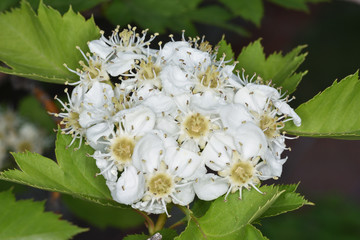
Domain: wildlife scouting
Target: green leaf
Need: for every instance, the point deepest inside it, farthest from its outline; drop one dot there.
(292, 4)
(276, 67)
(74, 172)
(63, 5)
(168, 234)
(288, 201)
(334, 113)
(31, 109)
(215, 16)
(6, 4)
(231, 219)
(225, 48)
(153, 14)
(103, 216)
(249, 10)
(37, 46)
(136, 237)
(175, 15)
(26, 219)
(249, 232)
(299, 5)
(200, 207)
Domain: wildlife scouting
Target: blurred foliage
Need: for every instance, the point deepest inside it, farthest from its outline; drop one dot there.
(103, 216)
(332, 218)
(32, 110)
(332, 41)
(174, 15)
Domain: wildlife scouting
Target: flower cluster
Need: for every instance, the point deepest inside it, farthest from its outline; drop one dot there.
(18, 135)
(171, 123)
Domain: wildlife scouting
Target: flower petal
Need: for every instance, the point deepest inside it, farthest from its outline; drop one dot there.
(138, 120)
(184, 195)
(251, 140)
(210, 187)
(130, 187)
(100, 48)
(146, 156)
(182, 163)
(217, 153)
(234, 115)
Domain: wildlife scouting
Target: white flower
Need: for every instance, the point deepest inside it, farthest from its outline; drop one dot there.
(194, 125)
(130, 187)
(272, 167)
(181, 53)
(175, 81)
(145, 74)
(30, 138)
(178, 122)
(98, 112)
(93, 71)
(168, 171)
(71, 113)
(259, 98)
(214, 78)
(120, 145)
(235, 169)
(121, 50)
(269, 113)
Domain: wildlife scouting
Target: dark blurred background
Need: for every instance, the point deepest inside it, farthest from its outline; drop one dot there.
(327, 169)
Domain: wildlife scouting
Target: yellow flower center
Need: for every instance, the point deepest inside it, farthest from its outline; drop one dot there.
(196, 125)
(122, 149)
(95, 69)
(148, 70)
(161, 185)
(72, 120)
(241, 172)
(210, 78)
(269, 125)
(125, 36)
(205, 46)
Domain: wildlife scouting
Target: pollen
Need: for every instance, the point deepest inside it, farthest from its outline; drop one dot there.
(210, 78)
(95, 69)
(161, 185)
(122, 149)
(196, 125)
(241, 173)
(270, 125)
(72, 121)
(125, 36)
(148, 70)
(205, 46)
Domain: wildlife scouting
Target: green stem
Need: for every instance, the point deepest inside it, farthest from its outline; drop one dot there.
(148, 221)
(178, 223)
(159, 223)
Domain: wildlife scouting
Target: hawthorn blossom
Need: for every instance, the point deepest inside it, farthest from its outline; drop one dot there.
(177, 122)
(165, 174)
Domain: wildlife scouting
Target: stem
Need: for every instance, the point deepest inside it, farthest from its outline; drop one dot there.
(178, 223)
(148, 221)
(159, 223)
